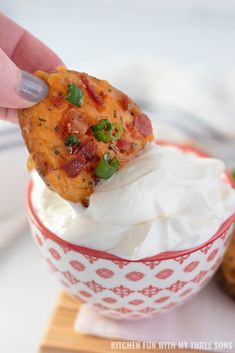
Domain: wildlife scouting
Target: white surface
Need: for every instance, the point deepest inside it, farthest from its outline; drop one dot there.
(200, 319)
(93, 36)
(195, 34)
(13, 181)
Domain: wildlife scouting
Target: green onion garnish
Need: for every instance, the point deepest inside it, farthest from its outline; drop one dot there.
(103, 131)
(71, 140)
(233, 173)
(118, 131)
(75, 95)
(106, 167)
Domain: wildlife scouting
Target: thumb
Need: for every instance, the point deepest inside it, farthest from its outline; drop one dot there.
(19, 89)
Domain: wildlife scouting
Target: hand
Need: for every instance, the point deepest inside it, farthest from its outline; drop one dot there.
(20, 55)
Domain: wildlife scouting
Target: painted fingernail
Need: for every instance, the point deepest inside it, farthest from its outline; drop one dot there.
(32, 88)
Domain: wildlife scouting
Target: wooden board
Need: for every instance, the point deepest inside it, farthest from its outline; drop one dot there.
(60, 336)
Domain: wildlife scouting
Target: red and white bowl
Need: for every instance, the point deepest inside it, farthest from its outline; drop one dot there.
(125, 289)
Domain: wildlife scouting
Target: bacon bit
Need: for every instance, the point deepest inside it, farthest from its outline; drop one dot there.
(57, 101)
(143, 124)
(124, 145)
(97, 98)
(87, 150)
(124, 102)
(74, 122)
(75, 166)
(129, 126)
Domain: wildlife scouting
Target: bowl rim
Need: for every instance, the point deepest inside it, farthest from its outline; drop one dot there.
(107, 256)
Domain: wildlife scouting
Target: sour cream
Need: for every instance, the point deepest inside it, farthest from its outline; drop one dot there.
(163, 200)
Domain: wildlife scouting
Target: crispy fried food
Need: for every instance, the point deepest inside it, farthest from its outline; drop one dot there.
(83, 131)
(226, 273)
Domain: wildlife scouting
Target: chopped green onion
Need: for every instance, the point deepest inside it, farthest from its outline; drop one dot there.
(71, 140)
(106, 167)
(103, 131)
(233, 173)
(118, 128)
(75, 95)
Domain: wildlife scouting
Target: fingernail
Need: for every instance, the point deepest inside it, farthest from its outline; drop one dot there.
(32, 88)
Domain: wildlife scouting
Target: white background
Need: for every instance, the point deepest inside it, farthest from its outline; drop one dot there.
(195, 36)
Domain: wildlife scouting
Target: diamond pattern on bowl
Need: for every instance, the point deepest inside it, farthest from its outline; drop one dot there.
(122, 291)
(91, 259)
(150, 291)
(147, 310)
(164, 274)
(199, 276)
(134, 276)
(54, 253)
(99, 306)
(65, 249)
(109, 300)
(190, 267)
(212, 254)
(120, 263)
(162, 299)
(84, 293)
(139, 289)
(77, 265)
(94, 286)
(151, 264)
(181, 259)
(70, 277)
(206, 248)
(136, 302)
(175, 287)
(187, 291)
(123, 310)
(104, 273)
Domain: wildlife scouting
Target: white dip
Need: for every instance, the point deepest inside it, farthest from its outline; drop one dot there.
(163, 200)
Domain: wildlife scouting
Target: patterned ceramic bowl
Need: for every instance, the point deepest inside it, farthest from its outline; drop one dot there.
(124, 289)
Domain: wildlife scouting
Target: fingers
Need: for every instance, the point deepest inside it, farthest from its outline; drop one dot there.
(18, 89)
(27, 52)
(21, 50)
(9, 115)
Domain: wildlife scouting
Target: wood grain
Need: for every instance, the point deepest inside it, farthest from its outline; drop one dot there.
(60, 336)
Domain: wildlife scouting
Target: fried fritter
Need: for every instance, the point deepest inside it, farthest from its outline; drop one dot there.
(83, 131)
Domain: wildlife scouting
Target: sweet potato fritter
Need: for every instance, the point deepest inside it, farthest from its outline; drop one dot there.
(83, 131)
